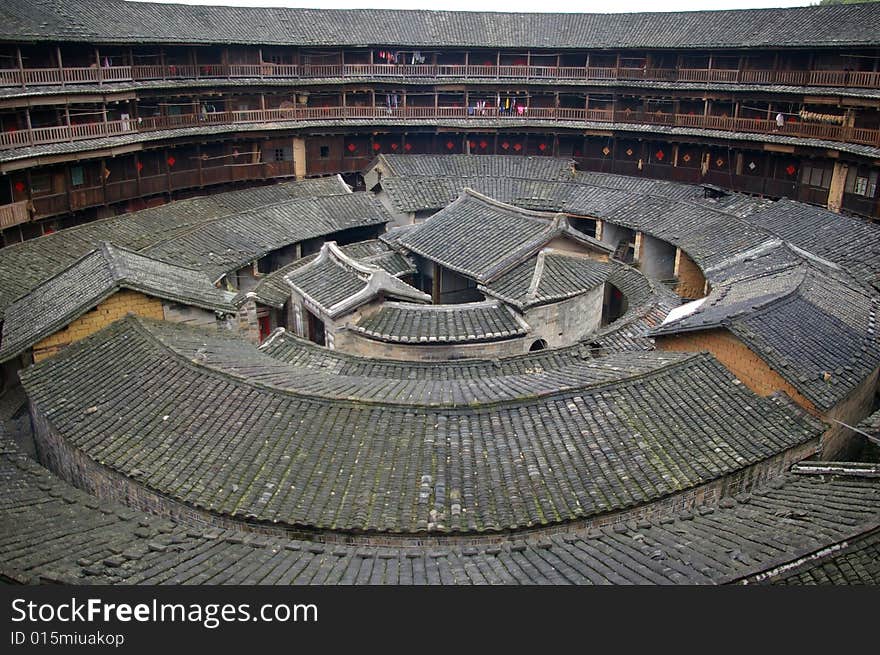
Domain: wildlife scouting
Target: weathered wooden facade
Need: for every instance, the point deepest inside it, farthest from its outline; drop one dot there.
(95, 122)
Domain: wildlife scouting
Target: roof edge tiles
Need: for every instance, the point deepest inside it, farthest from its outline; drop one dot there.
(407, 323)
(113, 21)
(376, 281)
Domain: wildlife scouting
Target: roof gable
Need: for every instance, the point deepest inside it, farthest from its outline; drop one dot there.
(96, 276)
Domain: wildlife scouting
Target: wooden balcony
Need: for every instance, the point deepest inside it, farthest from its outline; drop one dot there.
(799, 129)
(14, 214)
(100, 75)
(120, 191)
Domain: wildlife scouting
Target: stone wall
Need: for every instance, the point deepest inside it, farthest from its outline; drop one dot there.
(109, 311)
(354, 343)
(566, 322)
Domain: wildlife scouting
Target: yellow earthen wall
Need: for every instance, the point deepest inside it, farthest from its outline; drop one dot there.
(739, 360)
(112, 309)
(691, 282)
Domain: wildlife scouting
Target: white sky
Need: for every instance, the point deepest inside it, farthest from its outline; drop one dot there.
(585, 6)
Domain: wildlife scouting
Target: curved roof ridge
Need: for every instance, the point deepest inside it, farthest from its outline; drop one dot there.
(141, 326)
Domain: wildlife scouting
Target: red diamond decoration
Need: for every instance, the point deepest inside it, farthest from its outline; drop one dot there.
(686, 157)
(472, 144)
(450, 145)
(19, 186)
(629, 151)
(542, 147)
(407, 147)
(351, 147)
(659, 155)
(790, 169)
(377, 147)
(394, 146)
(483, 145)
(517, 146)
(505, 145)
(719, 162)
(171, 160)
(606, 151)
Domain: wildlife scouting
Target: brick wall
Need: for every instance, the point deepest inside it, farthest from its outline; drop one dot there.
(691, 281)
(111, 310)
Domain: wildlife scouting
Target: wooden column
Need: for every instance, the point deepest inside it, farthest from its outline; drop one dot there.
(838, 184)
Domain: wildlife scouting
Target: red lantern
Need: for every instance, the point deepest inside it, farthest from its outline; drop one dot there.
(505, 145)
(394, 146)
(351, 147)
(483, 145)
(171, 160)
(19, 186)
(450, 145)
(517, 146)
(790, 169)
(139, 166)
(542, 147)
(377, 147)
(659, 155)
(407, 147)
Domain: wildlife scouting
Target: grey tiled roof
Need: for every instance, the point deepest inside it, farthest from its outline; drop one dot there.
(52, 532)
(550, 276)
(856, 563)
(232, 241)
(337, 284)
(273, 291)
(25, 265)
(480, 237)
(113, 21)
(845, 240)
(435, 324)
(287, 362)
(508, 166)
(815, 326)
(136, 401)
(72, 292)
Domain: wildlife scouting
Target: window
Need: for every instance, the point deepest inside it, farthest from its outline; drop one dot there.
(816, 176)
(76, 176)
(41, 183)
(325, 152)
(861, 183)
(283, 154)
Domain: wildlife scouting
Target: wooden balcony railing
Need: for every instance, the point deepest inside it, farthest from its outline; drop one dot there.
(83, 197)
(14, 214)
(101, 75)
(825, 131)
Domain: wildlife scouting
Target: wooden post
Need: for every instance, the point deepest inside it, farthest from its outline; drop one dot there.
(435, 286)
(60, 66)
(98, 64)
(838, 183)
